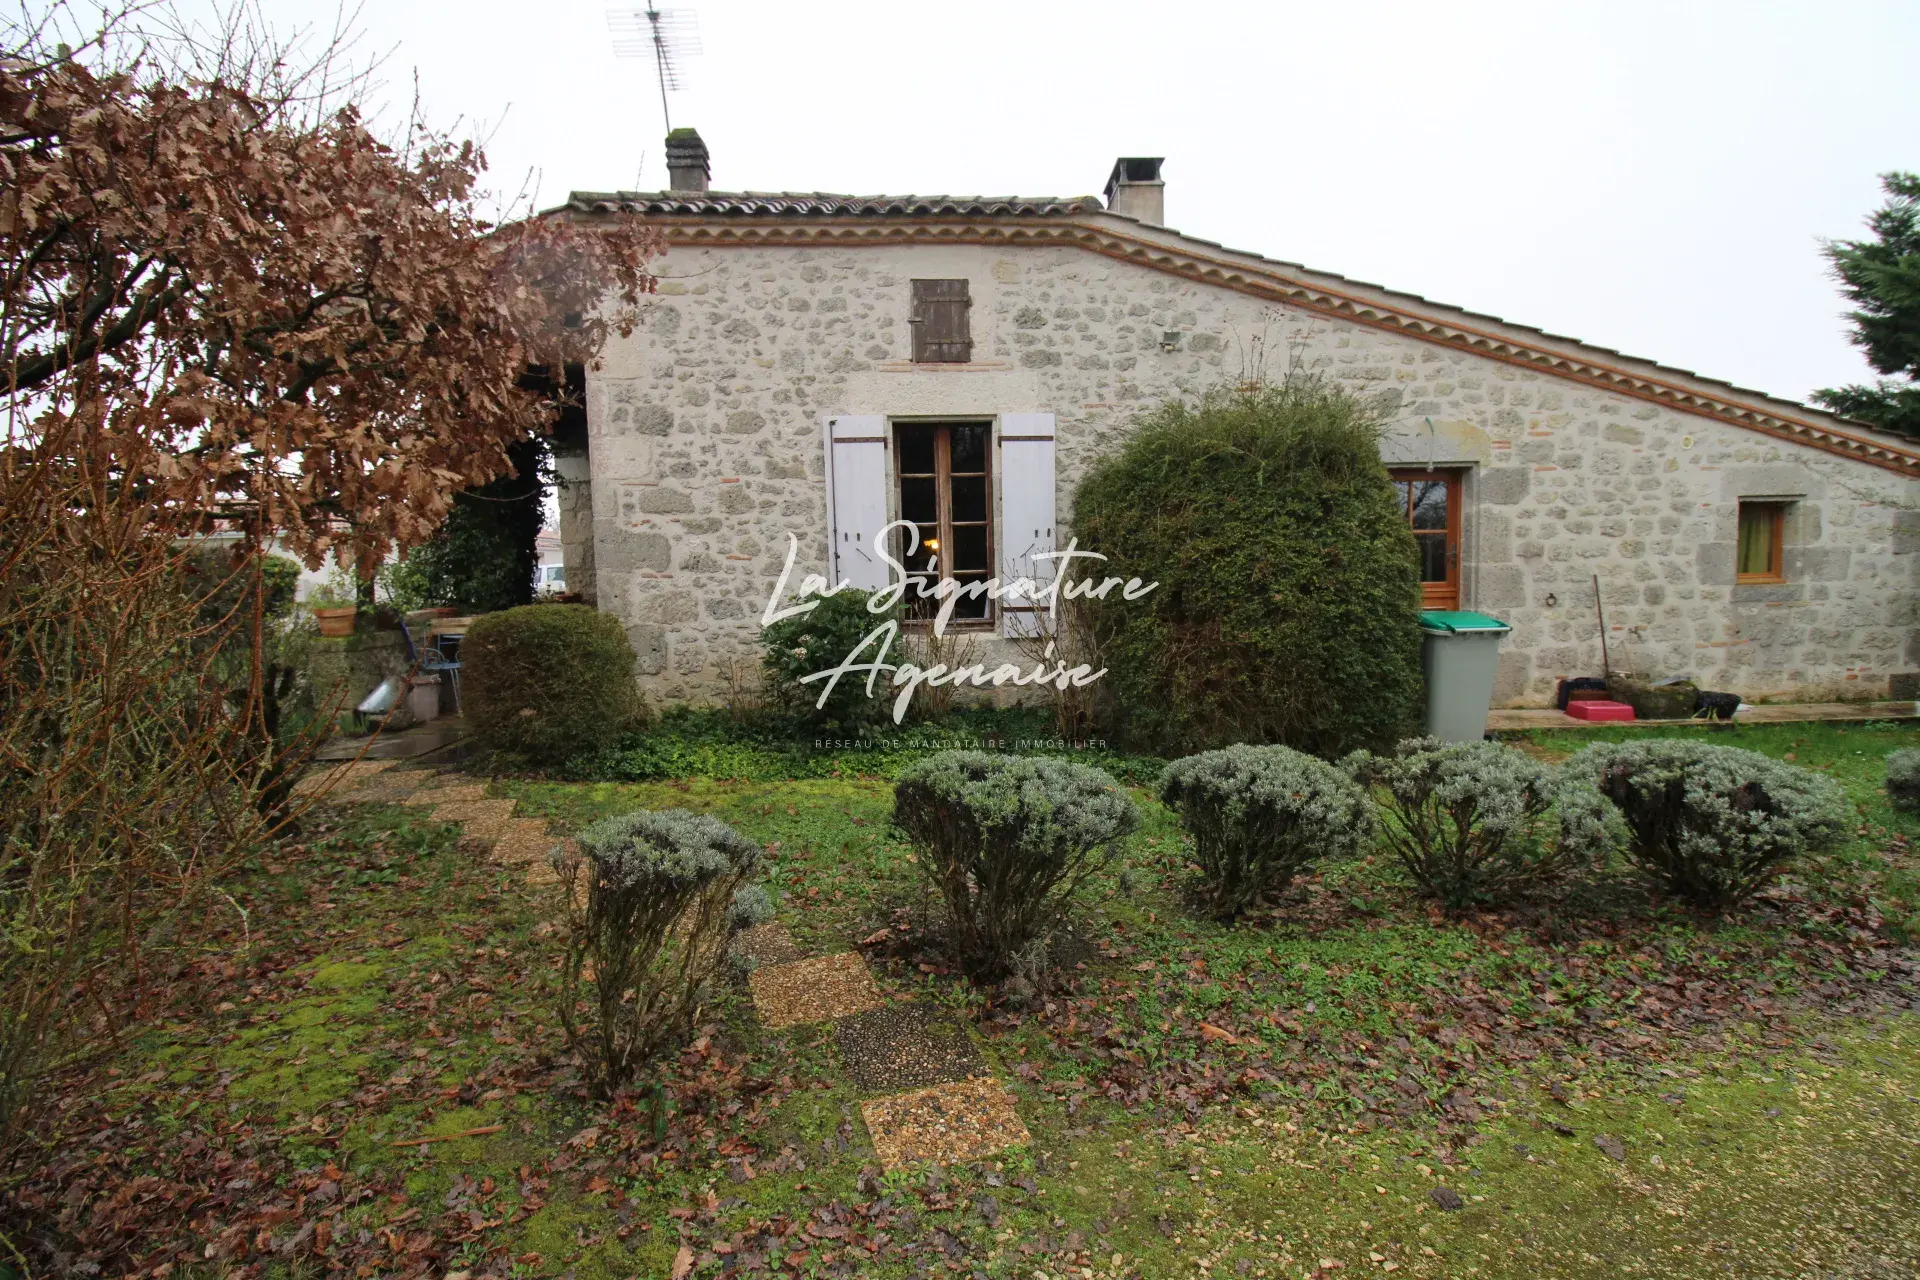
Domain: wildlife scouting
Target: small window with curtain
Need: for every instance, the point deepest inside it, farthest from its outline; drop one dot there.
(946, 488)
(940, 322)
(1760, 557)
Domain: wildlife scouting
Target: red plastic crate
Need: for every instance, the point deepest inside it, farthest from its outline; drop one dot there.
(1599, 709)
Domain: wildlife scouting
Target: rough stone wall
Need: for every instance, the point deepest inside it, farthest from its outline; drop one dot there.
(706, 448)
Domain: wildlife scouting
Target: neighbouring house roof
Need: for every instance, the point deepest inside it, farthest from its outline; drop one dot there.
(719, 219)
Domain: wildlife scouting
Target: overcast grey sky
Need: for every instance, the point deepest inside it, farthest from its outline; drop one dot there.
(1648, 176)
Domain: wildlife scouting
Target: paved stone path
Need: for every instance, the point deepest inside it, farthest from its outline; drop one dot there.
(933, 1097)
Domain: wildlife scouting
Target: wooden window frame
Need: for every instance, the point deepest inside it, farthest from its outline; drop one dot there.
(942, 477)
(1776, 512)
(931, 298)
(1437, 595)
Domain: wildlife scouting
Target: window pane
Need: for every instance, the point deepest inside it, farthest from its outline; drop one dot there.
(1405, 489)
(1433, 557)
(970, 607)
(969, 549)
(1756, 540)
(916, 451)
(919, 557)
(970, 448)
(969, 498)
(1430, 504)
(917, 502)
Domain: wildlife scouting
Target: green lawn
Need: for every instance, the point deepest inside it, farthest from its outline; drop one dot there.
(1610, 1086)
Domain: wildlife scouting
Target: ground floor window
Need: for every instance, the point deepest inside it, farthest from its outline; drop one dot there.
(1760, 557)
(1431, 500)
(945, 474)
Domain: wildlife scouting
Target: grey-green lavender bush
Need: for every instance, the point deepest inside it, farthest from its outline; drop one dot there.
(1261, 815)
(1903, 779)
(1710, 824)
(664, 894)
(1006, 841)
(1473, 822)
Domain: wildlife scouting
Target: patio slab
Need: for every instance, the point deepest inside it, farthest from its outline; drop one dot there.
(1766, 713)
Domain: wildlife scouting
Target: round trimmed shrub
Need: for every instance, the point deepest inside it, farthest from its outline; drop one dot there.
(665, 892)
(1710, 824)
(1006, 841)
(1472, 822)
(1288, 602)
(1903, 779)
(1261, 815)
(547, 682)
(820, 640)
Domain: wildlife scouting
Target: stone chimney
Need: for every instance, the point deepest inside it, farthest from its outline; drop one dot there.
(687, 168)
(1135, 189)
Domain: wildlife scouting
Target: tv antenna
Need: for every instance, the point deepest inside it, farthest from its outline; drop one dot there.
(665, 35)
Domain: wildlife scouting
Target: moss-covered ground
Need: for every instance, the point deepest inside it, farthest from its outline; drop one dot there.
(1602, 1084)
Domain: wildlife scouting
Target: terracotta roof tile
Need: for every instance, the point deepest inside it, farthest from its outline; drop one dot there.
(821, 204)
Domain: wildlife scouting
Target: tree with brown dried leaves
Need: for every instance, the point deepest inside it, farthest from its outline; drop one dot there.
(316, 331)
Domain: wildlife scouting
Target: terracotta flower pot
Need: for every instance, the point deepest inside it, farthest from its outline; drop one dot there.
(336, 622)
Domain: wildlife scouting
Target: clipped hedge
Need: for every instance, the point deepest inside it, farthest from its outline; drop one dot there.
(1709, 824)
(1288, 602)
(663, 894)
(546, 682)
(1903, 779)
(1261, 815)
(1474, 822)
(1005, 841)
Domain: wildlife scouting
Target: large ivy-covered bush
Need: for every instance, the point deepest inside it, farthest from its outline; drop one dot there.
(1261, 815)
(1006, 841)
(820, 640)
(482, 557)
(548, 681)
(1903, 779)
(1710, 824)
(1475, 822)
(664, 893)
(1288, 602)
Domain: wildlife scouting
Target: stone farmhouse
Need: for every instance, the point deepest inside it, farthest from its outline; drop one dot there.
(819, 365)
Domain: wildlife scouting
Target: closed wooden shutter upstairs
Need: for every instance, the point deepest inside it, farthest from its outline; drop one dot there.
(940, 322)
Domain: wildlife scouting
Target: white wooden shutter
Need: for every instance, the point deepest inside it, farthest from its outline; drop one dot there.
(1026, 511)
(856, 498)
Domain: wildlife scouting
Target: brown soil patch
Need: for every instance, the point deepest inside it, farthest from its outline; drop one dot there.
(816, 990)
(965, 1120)
(904, 1046)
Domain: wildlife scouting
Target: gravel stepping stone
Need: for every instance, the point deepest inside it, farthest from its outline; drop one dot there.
(904, 1046)
(965, 1120)
(398, 787)
(485, 819)
(816, 990)
(526, 840)
(768, 943)
(340, 775)
(447, 793)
